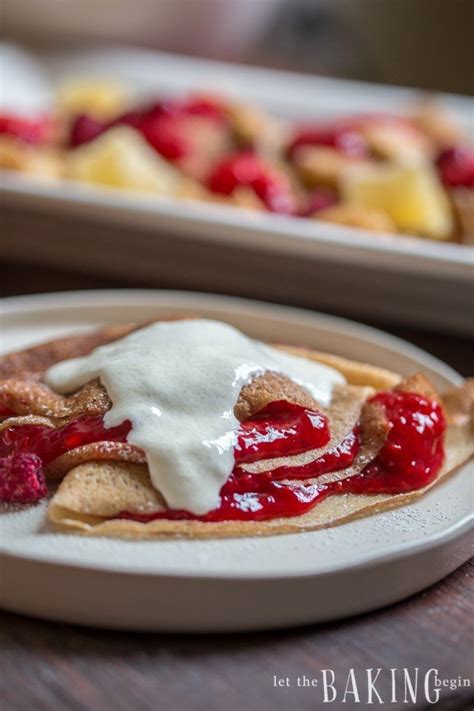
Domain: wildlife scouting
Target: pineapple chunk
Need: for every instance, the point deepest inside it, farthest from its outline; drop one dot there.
(121, 158)
(411, 195)
(101, 99)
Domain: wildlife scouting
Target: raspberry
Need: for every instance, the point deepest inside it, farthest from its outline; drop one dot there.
(206, 106)
(320, 199)
(29, 130)
(197, 105)
(163, 124)
(165, 134)
(456, 167)
(344, 138)
(21, 479)
(85, 129)
(246, 169)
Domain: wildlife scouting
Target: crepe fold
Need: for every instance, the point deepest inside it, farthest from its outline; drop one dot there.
(104, 479)
(93, 495)
(115, 487)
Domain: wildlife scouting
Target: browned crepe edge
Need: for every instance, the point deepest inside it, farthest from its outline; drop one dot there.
(94, 451)
(355, 372)
(104, 489)
(31, 362)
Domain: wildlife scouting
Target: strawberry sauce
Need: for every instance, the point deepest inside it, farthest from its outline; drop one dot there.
(409, 459)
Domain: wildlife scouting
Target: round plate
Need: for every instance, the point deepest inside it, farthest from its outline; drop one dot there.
(236, 584)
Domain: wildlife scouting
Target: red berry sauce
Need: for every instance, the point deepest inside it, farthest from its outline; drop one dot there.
(413, 452)
(410, 458)
(84, 129)
(163, 124)
(344, 137)
(280, 429)
(30, 130)
(48, 442)
(246, 169)
(456, 167)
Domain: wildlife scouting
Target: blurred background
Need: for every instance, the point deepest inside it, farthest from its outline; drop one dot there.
(426, 44)
(423, 43)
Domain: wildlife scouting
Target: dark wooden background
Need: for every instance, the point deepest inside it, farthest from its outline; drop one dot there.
(46, 666)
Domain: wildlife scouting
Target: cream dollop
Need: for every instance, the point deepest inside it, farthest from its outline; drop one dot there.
(178, 382)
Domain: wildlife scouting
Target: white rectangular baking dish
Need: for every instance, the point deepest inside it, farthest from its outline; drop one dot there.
(165, 241)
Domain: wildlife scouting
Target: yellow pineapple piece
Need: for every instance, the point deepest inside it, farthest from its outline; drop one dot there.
(121, 158)
(411, 195)
(101, 99)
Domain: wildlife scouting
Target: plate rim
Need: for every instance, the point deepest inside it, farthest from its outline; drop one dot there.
(58, 301)
(21, 304)
(367, 561)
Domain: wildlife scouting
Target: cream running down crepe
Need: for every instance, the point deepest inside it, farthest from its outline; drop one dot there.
(178, 384)
(104, 479)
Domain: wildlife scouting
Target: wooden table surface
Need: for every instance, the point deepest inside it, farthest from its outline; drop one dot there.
(50, 666)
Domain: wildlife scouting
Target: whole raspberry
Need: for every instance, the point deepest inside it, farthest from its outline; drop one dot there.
(21, 479)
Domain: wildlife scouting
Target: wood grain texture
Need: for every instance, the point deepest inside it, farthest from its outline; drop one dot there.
(46, 666)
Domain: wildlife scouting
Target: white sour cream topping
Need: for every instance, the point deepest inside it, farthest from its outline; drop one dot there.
(178, 382)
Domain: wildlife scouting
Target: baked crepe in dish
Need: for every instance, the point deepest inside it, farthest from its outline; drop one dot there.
(106, 478)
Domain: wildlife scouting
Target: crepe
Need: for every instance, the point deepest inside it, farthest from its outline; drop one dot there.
(103, 479)
(72, 506)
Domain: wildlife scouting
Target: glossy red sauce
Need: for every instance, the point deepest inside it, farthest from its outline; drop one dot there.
(30, 130)
(49, 443)
(246, 169)
(335, 459)
(280, 429)
(456, 167)
(413, 452)
(410, 458)
(5, 412)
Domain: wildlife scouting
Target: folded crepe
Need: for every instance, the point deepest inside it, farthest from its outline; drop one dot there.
(102, 480)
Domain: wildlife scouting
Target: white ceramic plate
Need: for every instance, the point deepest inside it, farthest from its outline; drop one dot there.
(236, 584)
(230, 249)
